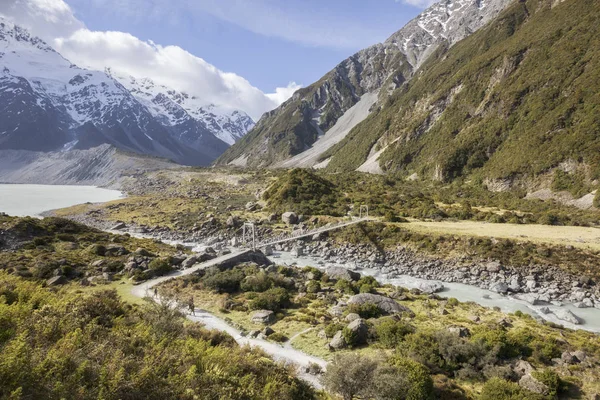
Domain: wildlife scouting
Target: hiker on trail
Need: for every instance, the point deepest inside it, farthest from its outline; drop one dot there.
(155, 292)
(192, 307)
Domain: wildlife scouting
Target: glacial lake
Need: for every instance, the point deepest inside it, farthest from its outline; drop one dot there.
(32, 200)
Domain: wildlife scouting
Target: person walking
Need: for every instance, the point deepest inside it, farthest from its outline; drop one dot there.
(191, 306)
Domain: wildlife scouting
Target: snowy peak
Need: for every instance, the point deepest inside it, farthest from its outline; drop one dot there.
(52, 104)
(447, 20)
(176, 108)
(11, 33)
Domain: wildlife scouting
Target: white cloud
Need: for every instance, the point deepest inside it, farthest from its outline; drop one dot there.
(124, 53)
(284, 93)
(296, 22)
(418, 3)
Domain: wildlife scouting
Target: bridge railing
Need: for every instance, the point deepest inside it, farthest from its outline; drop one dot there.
(304, 233)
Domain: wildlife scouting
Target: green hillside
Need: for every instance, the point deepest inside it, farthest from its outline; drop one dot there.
(516, 98)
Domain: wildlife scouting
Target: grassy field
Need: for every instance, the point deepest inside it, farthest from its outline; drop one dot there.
(576, 236)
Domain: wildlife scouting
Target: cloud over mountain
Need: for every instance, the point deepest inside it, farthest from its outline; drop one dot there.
(54, 21)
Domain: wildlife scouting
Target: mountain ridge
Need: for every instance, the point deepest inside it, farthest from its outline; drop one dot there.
(297, 124)
(51, 104)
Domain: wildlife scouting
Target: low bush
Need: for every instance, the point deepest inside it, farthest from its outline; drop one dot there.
(273, 299)
(390, 332)
(223, 281)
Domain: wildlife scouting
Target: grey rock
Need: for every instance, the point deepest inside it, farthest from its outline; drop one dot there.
(119, 225)
(360, 330)
(298, 251)
(336, 311)
(385, 304)
(499, 287)
(533, 385)
(263, 317)
(569, 358)
(268, 251)
(289, 218)
(338, 342)
(461, 331)
(57, 280)
(568, 316)
(430, 287)
(342, 273)
(268, 331)
(522, 368)
(351, 317)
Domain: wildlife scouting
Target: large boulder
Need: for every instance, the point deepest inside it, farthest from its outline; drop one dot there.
(385, 304)
(342, 273)
(289, 218)
(568, 316)
(263, 317)
(233, 221)
(360, 331)
(430, 287)
(57, 280)
(460, 331)
(499, 287)
(533, 385)
(338, 342)
(298, 251)
(337, 311)
(189, 262)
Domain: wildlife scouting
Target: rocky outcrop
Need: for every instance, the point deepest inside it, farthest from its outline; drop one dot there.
(337, 273)
(385, 304)
(263, 317)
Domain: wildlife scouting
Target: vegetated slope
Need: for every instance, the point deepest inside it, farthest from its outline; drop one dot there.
(312, 111)
(57, 344)
(517, 98)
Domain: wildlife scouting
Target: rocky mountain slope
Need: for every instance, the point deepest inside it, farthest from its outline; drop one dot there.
(313, 111)
(519, 98)
(49, 104)
(99, 166)
(182, 112)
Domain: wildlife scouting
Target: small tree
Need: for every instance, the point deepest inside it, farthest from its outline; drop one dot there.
(349, 375)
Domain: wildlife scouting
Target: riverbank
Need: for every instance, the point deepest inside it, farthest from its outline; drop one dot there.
(544, 291)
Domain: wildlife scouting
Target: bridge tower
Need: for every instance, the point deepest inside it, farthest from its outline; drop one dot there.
(363, 211)
(249, 229)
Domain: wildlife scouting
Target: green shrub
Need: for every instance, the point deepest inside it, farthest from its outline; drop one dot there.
(97, 249)
(273, 299)
(390, 332)
(550, 379)
(278, 337)
(317, 274)
(256, 283)
(160, 266)
(223, 281)
(452, 302)
(419, 385)
(499, 389)
(332, 329)
(313, 287)
(344, 286)
(365, 310)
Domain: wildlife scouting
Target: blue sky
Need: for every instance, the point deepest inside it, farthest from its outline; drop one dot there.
(270, 43)
(248, 55)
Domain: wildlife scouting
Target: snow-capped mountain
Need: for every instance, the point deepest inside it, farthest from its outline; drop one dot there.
(47, 103)
(175, 108)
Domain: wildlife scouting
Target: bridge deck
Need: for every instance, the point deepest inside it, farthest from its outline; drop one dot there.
(323, 229)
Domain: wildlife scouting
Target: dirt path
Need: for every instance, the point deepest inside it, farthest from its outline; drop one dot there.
(283, 353)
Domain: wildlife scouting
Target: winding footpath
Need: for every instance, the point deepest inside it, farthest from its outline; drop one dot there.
(284, 353)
